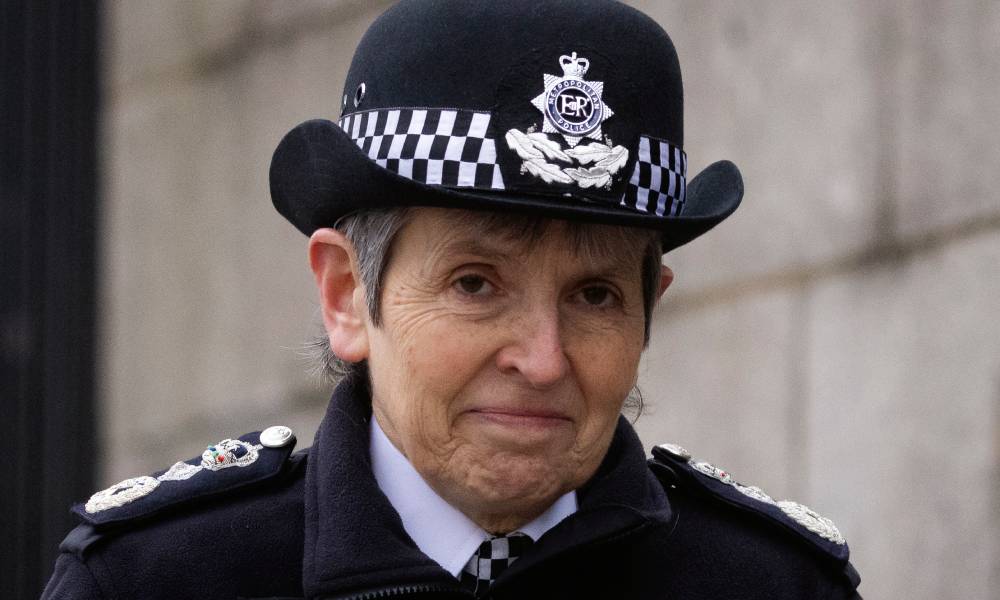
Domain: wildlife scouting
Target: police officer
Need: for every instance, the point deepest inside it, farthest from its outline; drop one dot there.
(487, 220)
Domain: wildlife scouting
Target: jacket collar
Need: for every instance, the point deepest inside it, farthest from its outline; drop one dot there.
(355, 541)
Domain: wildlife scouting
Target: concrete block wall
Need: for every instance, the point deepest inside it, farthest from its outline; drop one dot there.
(207, 296)
(835, 342)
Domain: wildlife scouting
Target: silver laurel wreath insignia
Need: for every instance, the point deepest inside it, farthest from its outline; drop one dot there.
(801, 514)
(536, 149)
(812, 521)
(121, 493)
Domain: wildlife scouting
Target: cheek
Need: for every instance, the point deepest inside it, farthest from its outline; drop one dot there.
(433, 361)
(443, 357)
(606, 371)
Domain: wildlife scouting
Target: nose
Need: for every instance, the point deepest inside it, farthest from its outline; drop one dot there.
(535, 352)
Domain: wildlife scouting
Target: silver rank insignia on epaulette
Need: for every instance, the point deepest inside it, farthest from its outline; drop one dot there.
(229, 453)
(121, 493)
(574, 109)
(812, 521)
(801, 514)
(223, 455)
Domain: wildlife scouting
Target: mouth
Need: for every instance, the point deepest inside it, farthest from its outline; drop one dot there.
(530, 419)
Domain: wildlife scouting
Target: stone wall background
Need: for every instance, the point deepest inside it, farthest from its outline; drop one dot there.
(836, 341)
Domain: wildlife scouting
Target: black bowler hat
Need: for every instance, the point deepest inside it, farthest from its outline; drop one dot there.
(567, 108)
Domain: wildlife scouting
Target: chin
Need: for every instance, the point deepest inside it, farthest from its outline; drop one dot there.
(509, 480)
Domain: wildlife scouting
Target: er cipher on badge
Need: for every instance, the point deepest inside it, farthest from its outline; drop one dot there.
(573, 109)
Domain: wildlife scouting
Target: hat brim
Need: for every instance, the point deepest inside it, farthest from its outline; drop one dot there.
(318, 175)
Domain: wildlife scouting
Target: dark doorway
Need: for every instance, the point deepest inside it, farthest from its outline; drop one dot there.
(48, 164)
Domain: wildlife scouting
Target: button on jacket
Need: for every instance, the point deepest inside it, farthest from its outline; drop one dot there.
(316, 525)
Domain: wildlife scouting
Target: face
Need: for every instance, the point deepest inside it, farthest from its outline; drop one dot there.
(501, 365)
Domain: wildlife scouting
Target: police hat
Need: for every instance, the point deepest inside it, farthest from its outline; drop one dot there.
(568, 109)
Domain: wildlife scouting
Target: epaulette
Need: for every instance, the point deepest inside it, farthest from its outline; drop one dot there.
(675, 464)
(223, 467)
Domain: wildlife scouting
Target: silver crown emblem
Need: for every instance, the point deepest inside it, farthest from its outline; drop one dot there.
(573, 66)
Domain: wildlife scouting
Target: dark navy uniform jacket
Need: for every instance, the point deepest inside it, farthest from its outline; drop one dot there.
(314, 524)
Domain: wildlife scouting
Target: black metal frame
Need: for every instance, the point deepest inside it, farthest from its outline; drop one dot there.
(48, 185)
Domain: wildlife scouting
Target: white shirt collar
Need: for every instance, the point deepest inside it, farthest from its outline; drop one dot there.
(440, 530)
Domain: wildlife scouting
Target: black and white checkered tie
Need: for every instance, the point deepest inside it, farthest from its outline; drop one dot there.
(491, 559)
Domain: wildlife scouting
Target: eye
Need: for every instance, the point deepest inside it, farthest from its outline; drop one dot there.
(473, 285)
(598, 296)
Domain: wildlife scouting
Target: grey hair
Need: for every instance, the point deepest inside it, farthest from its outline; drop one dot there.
(372, 233)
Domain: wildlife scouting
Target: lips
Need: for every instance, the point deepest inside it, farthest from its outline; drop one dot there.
(520, 417)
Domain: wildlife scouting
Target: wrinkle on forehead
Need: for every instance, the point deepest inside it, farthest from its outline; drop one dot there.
(514, 235)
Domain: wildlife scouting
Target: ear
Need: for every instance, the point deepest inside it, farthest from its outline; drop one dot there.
(341, 293)
(666, 278)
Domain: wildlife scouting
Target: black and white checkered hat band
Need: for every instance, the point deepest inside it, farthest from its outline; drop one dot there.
(450, 147)
(430, 145)
(659, 180)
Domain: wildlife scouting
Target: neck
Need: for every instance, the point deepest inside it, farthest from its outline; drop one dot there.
(503, 524)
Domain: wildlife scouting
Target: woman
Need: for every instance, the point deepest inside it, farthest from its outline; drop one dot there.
(486, 221)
